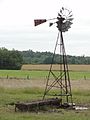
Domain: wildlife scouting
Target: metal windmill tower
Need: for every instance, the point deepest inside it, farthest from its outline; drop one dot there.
(58, 82)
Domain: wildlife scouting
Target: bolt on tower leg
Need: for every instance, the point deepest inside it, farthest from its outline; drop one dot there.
(58, 82)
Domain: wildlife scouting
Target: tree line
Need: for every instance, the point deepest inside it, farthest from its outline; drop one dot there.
(31, 57)
(14, 59)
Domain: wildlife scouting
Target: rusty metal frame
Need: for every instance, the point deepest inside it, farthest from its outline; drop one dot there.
(63, 79)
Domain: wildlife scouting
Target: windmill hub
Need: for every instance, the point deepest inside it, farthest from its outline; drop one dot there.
(64, 20)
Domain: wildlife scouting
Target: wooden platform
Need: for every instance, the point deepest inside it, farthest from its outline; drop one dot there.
(37, 105)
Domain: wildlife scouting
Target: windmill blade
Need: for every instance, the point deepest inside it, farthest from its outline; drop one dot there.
(59, 15)
(70, 19)
(70, 15)
(50, 24)
(66, 28)
(62, 8)
(60, 11)
(68, 23)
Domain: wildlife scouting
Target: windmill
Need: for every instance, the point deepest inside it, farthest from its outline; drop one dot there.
(58, 82)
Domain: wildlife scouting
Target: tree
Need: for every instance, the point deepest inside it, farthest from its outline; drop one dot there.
(48, 60)
(10, 59)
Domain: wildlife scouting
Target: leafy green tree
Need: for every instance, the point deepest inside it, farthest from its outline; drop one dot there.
(47, 60)
(10, 59)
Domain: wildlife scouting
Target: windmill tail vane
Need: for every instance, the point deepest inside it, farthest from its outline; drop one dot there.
(40, 21)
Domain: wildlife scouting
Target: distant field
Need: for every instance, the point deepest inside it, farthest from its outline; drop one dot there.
(40, 71)
(76, 71)
(39, 74)
(55, 67)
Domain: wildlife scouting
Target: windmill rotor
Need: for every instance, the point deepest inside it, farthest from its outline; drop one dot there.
(64, 20)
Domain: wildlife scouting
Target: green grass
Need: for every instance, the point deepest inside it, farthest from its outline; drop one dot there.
(63, 115)
(79, 75)
(23, 74)
(40, 74)
(13, 95)
(81, 96)
(8, 95)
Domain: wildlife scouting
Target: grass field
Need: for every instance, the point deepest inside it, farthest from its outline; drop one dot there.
(38, 74)
(18, 88)
(10, 95)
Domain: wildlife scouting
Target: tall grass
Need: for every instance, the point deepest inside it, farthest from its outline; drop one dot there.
(8, 95)
(11, 95)
(62, 115)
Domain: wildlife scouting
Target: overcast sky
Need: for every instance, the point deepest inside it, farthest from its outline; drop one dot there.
(17, 27)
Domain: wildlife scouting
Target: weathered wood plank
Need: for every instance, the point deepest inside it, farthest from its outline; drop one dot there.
(36, 105)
